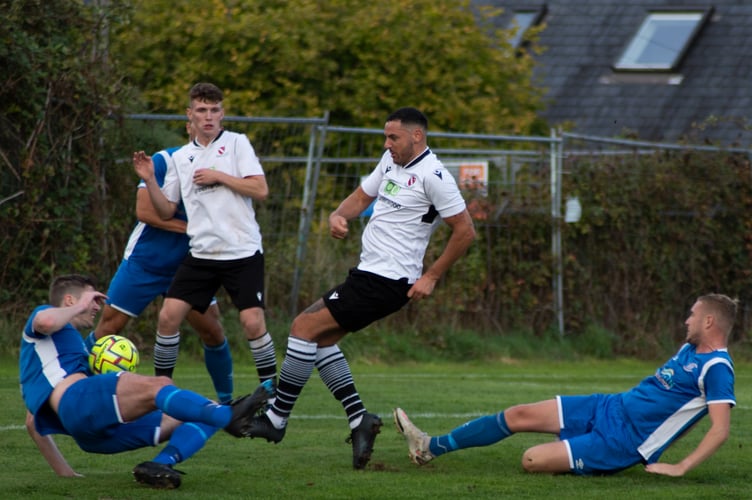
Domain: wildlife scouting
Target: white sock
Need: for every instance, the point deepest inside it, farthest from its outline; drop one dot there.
(277, 421)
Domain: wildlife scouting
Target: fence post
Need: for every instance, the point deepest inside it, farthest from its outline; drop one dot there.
(313, 167)
(555, 147)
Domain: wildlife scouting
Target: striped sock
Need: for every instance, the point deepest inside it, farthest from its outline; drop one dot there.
(166, 353)
(296, 370)
(262, 350)
(335, 373)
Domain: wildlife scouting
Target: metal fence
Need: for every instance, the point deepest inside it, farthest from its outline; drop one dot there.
(312, 165)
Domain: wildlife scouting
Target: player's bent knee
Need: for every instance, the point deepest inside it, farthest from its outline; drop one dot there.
(545, 458)
(528, 461)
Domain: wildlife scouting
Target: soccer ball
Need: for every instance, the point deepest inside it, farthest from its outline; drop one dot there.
(113, 353)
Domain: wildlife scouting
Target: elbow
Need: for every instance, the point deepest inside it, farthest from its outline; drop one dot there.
(44, 323)
(141, 216)
(470, 236)
(262, 194)
(723, 435)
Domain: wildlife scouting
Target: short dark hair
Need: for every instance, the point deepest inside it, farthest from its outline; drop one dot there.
(205, 92)
(409, 116)
(722, 307)
(68, 283)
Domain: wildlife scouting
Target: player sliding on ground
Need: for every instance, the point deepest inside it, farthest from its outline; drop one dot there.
(117, 411)
(606, 433)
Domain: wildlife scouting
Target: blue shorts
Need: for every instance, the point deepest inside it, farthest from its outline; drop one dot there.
(596, 435)
(89, 412)
(133, 288)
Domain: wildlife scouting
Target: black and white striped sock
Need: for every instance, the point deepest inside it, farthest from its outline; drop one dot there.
(334, 370)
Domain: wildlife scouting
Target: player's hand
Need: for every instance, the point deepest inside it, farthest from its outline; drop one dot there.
(337, 226)
(422, 288)
(665, 469)
(70, 473)
(206, 176)
(92, 297)
(143, 165)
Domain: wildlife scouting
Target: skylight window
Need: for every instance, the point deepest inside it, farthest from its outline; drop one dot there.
(661, 41)
(522, 21)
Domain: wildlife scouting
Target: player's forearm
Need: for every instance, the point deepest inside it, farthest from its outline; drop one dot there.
(353, 205)
(146, 213)
(174, 225)
(713, 440)
(460, 240)
(163, 207)
(254, 187)
(49, 450)
(48, 321)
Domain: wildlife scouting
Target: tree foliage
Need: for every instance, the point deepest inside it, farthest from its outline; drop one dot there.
(57, 89)
(357, 59)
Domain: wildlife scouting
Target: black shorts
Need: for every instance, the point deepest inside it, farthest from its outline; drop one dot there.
(364, 298)
(197, 281)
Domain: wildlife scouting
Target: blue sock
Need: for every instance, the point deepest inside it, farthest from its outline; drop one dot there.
(218, 362)
(479, 432)
(89, 341)
(186, 440)
(188, 406)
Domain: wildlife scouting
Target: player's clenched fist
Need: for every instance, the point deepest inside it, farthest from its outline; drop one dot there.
(337, 226)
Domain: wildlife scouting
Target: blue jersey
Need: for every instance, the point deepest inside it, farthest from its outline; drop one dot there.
(663, 406)
(156, 250)
(44, 361)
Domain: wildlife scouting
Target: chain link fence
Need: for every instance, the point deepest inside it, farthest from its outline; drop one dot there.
(536, 234)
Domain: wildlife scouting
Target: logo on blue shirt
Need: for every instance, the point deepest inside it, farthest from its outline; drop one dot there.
(665, 377)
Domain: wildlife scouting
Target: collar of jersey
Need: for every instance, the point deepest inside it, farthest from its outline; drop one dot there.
(419, 158)
(221, 131)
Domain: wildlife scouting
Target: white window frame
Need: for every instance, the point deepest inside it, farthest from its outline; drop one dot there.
(641, 42)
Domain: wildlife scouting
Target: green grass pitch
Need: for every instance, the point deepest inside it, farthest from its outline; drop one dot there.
(313, 461)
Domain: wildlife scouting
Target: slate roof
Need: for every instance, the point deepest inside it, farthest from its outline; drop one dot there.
(583, 40)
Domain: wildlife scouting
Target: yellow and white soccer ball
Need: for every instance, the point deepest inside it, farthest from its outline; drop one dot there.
(113, 353)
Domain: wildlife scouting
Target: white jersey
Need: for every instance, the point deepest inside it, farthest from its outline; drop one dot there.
(221, 223)
(410, 200)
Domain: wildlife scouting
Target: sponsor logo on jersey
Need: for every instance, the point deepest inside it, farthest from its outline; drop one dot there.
(389, 202)
(665, 376)
(690, 367)
(391, 188)
(334, 296)
(203, 189)
(438, 174)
